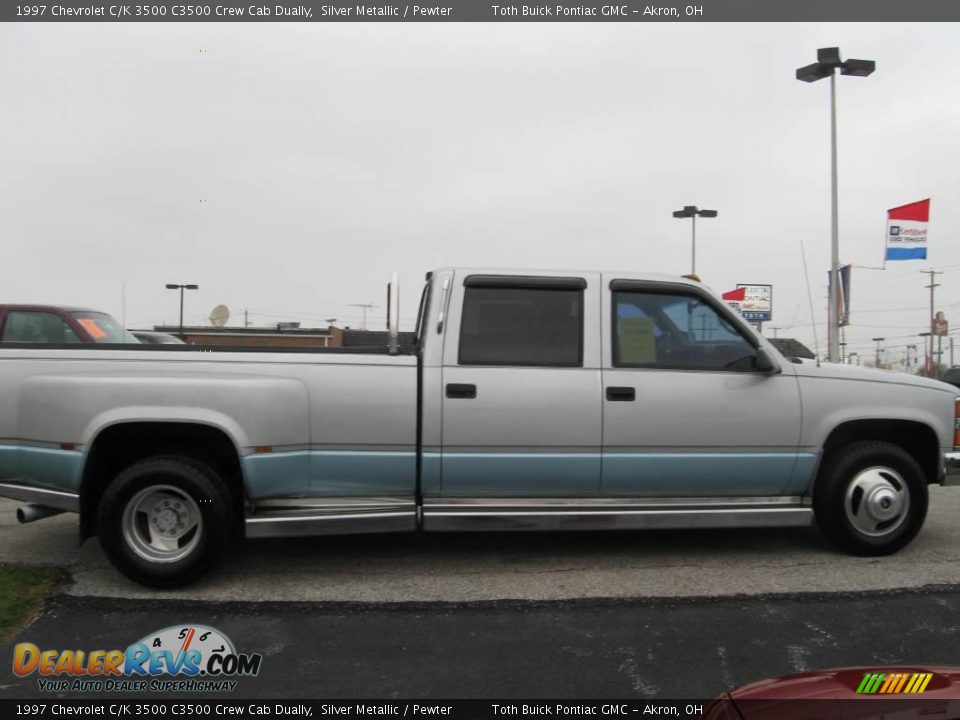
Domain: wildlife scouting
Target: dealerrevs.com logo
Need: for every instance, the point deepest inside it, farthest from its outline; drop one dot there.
(184, 658)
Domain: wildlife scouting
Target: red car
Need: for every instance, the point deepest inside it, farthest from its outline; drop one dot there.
(853, 693)
(54, 324)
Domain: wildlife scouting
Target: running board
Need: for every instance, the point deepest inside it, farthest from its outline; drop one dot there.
(473, 514)
(66, 501)
(337, 516)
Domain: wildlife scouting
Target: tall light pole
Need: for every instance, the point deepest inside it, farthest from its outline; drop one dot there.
(181, 288)
(828, 60)
(692, 211)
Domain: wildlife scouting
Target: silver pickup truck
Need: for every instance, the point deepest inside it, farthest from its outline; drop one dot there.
(529, 401)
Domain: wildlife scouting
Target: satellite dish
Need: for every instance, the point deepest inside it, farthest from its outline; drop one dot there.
(220, 315)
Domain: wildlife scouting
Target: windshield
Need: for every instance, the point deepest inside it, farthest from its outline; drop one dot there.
(103, 328)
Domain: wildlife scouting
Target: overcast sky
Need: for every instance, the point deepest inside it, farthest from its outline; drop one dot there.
(288, 169)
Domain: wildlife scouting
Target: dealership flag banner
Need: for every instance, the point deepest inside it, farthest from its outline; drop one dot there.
(907, 231)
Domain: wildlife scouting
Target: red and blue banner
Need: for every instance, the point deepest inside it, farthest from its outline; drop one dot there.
(907, 231)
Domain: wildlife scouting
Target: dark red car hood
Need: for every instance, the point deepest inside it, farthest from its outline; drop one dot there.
(842, 683)
(829, 694)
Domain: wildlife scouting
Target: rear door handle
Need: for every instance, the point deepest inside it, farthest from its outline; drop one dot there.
(621, 394)
(462, 391)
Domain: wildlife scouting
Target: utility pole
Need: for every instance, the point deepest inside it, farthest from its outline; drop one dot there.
(878, 340)
(364, 307)
(931, 372)
(246, 318)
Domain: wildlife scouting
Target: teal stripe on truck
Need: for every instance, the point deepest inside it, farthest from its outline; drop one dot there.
(331, 473)
(50, 468)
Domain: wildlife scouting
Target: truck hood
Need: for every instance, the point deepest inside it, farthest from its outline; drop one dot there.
(809, 368)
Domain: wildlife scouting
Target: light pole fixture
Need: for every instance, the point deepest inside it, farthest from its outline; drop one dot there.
(181, 288)
(828, 60)
(692, 211)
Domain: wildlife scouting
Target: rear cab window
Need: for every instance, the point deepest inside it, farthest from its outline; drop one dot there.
(37, 327)
(534, 322)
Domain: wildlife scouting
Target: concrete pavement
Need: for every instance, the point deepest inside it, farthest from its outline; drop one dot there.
(460, 568)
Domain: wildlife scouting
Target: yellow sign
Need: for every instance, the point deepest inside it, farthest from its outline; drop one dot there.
(636, 341)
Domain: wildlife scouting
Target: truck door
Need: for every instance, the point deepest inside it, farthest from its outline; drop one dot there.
(521, 409)
(685, 411)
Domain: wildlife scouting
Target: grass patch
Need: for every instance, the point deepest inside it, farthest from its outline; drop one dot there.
(22, 591)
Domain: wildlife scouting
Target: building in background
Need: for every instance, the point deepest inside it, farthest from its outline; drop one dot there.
(790, 347)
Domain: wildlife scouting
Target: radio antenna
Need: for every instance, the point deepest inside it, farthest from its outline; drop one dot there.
(813, 320)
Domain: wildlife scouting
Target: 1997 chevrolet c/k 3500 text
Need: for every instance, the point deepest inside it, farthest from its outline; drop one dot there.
(530, 400)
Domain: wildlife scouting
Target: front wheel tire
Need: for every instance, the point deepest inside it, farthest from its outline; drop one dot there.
(165, 520)
(870, 498)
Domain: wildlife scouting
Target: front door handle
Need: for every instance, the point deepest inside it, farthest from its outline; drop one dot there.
(462, 391)
(621, 394)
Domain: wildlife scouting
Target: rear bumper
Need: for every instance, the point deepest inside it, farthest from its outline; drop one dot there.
(951, 468)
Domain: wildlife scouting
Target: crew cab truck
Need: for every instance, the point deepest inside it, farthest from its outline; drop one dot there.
(529, 401)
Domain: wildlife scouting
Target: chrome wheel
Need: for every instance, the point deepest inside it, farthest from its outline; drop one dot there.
(877, 501)
(162, 524)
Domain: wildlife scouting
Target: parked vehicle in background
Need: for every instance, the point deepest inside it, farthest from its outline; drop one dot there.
(952, 376)
(529, 400)
(59, 325)
(149, 337)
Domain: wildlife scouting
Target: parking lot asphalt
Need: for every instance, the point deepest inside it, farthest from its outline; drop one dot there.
(692, 648)
(471, 568)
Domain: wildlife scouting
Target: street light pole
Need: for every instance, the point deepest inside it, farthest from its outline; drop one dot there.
(833, 337)
(691, 211)
(828, 60)
(181, 288)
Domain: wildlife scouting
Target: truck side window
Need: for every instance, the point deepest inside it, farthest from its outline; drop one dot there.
(37, 327)
(522, 326)
(675, 331)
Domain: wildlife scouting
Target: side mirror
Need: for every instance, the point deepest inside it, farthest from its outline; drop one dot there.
(765, 363)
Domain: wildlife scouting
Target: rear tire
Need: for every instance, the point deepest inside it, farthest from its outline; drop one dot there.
(164, 520)
(870, 498)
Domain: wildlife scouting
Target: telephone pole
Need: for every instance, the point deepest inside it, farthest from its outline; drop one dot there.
(878, 340)
(365, 307)
(931, 371)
